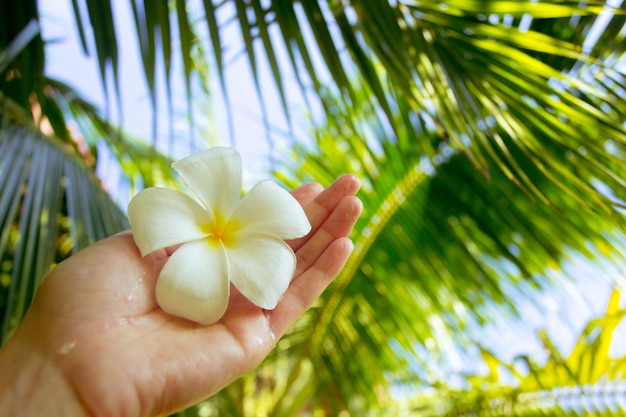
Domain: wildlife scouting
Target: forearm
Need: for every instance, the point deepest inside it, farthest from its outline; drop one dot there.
(32, 385)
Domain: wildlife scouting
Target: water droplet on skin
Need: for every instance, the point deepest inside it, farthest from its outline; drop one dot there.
(123, 321)
(67, 347)
(261, 341)
(134, 291)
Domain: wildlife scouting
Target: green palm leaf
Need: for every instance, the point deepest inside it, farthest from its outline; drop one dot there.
(439, 246)
(585, 383)
(141, 164)
(436, 56)
(51, 204)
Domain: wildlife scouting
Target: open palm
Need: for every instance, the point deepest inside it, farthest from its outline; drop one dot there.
(96, 326)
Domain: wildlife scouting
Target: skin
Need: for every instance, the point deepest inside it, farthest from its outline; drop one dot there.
(95, 342)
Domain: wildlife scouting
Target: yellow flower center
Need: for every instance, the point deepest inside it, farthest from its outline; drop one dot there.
(222, 231)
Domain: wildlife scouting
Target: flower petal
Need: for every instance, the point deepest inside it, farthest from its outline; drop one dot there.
(214, 176)
(160, 217)
(271, 210)
(261, 268)
(194, 284)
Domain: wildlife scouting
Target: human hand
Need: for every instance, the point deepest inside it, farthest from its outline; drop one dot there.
(95, 342)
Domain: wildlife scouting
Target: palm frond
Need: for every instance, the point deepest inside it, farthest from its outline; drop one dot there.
(469, 56)
(142, 165)
(588, 382)
(23, 75)
(52, 205)
(440, 246)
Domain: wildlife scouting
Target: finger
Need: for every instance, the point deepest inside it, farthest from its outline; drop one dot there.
(323, 205)
(309, 286)
(306, 193)
(338, 224)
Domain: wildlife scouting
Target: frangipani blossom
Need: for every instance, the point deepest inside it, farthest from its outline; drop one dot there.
(222, 239)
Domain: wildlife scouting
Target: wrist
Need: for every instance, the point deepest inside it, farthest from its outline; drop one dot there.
(32, 384)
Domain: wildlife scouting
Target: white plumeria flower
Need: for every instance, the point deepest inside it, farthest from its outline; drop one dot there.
(222, 239)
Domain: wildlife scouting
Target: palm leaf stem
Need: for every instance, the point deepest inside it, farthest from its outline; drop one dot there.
(19, 43)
